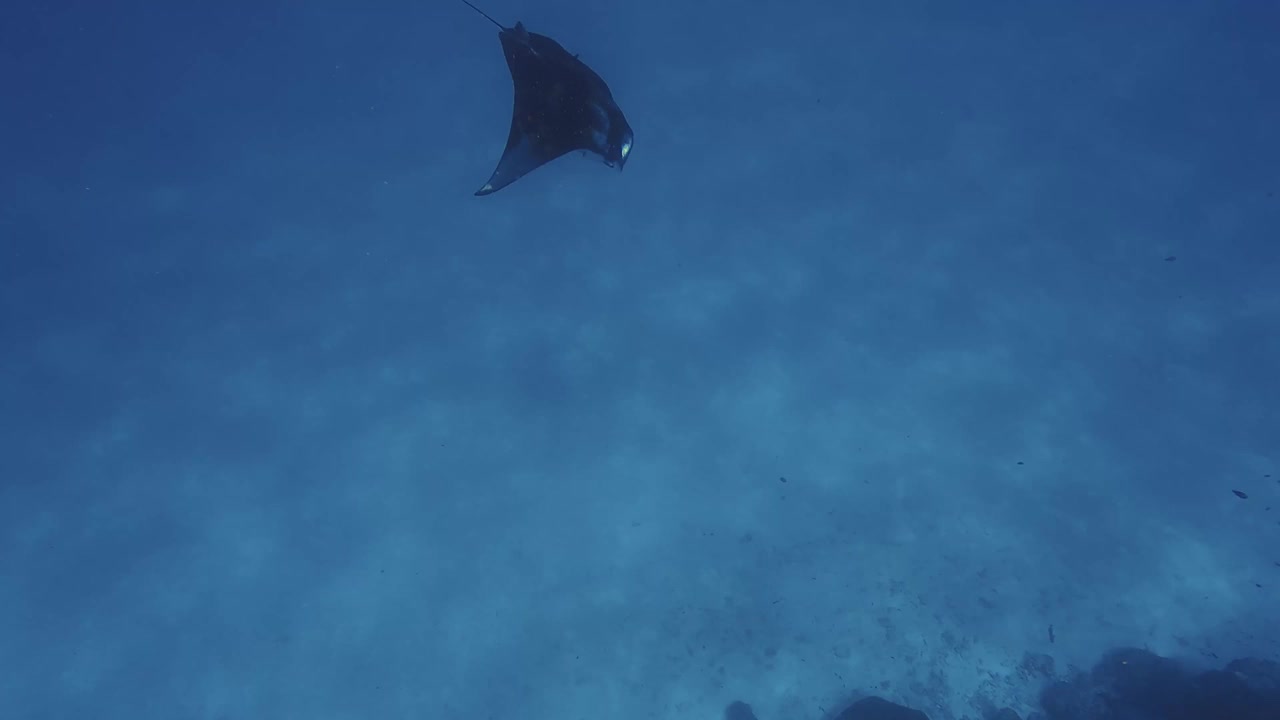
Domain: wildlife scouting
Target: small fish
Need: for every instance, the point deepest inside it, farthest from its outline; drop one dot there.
(1240, 495)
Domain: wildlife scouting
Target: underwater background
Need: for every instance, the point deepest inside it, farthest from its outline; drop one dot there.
(916, 339)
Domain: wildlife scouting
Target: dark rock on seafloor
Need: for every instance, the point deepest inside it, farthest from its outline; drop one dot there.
(1132, 684)
(739, 710)
(876, 708)
(1126, 684)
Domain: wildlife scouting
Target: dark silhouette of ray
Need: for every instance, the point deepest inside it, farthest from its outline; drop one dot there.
(561, 105)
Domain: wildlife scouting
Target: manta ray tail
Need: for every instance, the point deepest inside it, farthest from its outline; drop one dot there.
(486, 15)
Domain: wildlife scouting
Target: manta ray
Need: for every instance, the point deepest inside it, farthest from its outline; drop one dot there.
(561, 105)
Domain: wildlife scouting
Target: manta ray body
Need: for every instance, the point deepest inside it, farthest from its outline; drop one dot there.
(560, 106)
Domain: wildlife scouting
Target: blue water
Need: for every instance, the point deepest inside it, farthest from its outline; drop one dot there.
(909, 330)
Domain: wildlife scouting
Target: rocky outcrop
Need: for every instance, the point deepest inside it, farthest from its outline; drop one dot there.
(1127, 684)
(1130, 683)
(875, 708)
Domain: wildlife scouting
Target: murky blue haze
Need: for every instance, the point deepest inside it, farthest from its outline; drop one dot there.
(908, 331)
